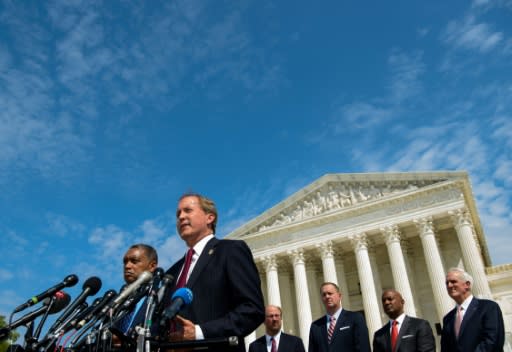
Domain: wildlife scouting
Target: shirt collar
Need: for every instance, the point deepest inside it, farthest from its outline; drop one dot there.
(400, 319)
(466, 303)
(336, 315)
(198, 248)
(276, 337)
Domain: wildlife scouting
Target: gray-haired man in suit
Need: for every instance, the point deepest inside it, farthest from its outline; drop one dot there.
(474, 324)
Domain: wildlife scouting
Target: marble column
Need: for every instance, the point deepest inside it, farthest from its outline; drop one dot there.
(372, 254)
(473, 262)
(328, 263)
(364, 269)
(398, 268)
(273, 292)
(342, 280)
(302, 294)
(435, 268)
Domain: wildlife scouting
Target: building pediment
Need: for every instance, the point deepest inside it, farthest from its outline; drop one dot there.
(335, 193)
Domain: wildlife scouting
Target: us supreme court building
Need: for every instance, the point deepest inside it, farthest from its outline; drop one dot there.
(368, 232)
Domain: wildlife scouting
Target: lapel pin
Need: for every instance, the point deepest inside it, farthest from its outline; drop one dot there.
(210, 252)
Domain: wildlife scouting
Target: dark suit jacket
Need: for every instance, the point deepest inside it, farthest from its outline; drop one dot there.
(482, 328)
(415, 335)
(227, 291)
(287, 343)
(350, 334)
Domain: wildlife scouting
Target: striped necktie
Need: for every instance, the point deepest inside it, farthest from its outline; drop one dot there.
(330, 331)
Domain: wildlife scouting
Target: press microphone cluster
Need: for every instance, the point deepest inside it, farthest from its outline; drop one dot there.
(69, 281)
(52, 305)
(90, 287)
(94, 323)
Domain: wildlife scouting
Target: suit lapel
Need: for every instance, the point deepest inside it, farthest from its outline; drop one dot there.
(472, 308)
(450, 321)
(342, 320)
(202, 261)
(403, 330)
(387, 336)
(282, 343)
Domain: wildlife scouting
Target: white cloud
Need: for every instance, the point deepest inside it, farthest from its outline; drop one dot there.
(64, 226)
(468, 34)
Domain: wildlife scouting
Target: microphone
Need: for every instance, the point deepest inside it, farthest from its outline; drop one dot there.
(142, 279)
(157, 277)
(61, 300)
(107, 297)
(164, 287)
(91, 286)
(68, 281)
(182, 297)
(152, 300)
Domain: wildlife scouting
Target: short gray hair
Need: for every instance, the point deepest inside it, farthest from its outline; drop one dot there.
(462, 274)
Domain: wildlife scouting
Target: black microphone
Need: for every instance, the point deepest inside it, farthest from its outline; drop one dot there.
(68, 281)
(164, 287)
(158, 273)
(182, 297)
(152, 300)
(107, 297)
(60, 301)
(91, 286)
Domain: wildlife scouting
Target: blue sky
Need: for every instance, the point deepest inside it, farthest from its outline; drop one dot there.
(110, 110)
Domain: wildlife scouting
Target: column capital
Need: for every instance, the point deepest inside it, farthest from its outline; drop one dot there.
(391, 234)
(325, 249)
(270, 262)
(359, 241)
(297, 256)
(460, 217)
(424, 225)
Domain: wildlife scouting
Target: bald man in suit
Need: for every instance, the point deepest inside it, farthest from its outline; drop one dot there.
(412, 334)
(274, 338)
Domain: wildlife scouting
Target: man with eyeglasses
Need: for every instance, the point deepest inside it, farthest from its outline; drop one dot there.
(274, 339)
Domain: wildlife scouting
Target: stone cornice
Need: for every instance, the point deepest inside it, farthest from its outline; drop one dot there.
(443, 191)
(333, 193)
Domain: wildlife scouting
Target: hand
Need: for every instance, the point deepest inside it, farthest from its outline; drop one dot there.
(189, 328)
(185, 330)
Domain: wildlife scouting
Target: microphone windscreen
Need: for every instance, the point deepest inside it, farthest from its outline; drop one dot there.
(93, 284)
(70, 280)
(62, 299)
(185, 294)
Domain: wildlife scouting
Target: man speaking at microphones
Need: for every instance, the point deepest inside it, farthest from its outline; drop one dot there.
(221, 275)
(138, 259)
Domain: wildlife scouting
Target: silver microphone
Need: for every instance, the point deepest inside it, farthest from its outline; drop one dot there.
(142, 279)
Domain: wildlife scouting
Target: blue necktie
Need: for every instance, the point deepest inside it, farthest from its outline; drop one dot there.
(124, 323)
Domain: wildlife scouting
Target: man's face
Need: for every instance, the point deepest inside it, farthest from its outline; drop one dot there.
(393, 304)
(330, 298)
(192, 222)
(457, 288)
(135, 262)
(273, 320)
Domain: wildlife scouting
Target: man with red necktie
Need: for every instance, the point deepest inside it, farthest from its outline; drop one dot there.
(402, 333)
(222, 275)
(274, 339)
